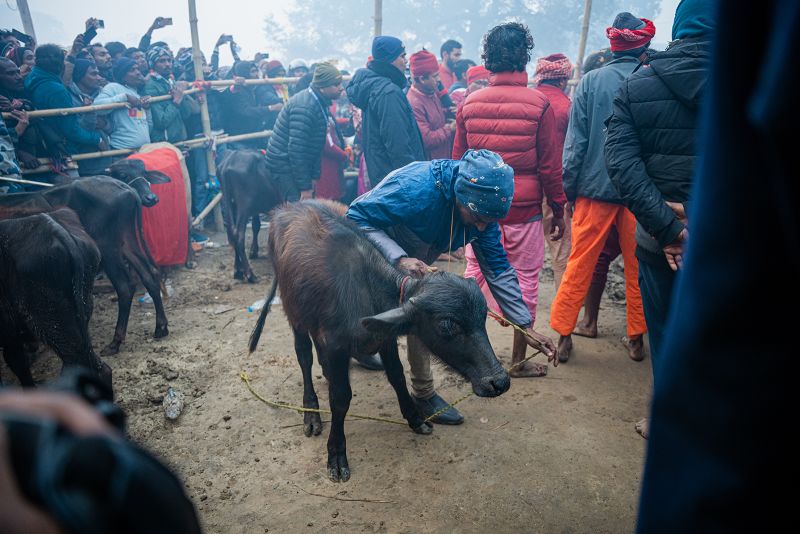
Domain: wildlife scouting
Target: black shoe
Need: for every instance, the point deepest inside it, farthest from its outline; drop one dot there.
(428, 407)
(372, 362)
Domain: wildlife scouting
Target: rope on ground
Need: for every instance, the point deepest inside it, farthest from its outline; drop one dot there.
(301, 409)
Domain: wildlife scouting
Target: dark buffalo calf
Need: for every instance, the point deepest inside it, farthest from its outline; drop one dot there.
(111, 213)
(338, 291)
(248, 189)
(47, 269)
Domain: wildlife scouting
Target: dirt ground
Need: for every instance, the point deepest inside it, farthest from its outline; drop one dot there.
(553, 454)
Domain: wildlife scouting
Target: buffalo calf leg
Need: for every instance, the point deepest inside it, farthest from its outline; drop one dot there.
(312, 422)
(151, 279)
(256, 224)
(121, 281)
(394, 373)
(241, 231)
(17, 360)
(340, 396)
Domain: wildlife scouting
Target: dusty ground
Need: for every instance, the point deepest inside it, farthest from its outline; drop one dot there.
(554, 454)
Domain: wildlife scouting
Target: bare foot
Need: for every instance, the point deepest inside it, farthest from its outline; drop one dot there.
(635, 346)
(585, 330)
(564, 348)
(642, 427)
(529, 369)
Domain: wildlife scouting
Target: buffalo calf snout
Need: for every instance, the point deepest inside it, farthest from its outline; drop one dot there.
(150, 200)
(493, 386)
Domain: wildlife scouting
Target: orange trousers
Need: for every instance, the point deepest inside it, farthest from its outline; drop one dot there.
(591, 224)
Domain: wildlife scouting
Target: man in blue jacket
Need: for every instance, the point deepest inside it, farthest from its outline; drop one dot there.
(47, 91)
(430, 207)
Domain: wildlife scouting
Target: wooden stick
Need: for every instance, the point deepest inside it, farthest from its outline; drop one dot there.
(60, 112)
(21, 181)
(203, 214)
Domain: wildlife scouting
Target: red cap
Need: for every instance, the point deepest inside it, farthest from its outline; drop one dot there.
(478, 72)
(423, 63)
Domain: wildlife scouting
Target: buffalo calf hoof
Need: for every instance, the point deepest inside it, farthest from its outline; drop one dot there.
(338, 468)
(312, 424)
(238, 275)
(252, 279)
(161, 331)
(111, 349)
(190, 264)
(424, 429)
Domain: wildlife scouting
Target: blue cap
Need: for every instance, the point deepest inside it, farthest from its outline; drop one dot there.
(485, 184)
(386, 48)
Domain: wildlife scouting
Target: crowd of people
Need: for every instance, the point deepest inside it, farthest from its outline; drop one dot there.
(472, 158)
(603, 172)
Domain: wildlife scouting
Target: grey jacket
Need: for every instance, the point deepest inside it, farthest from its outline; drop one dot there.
(584, 164)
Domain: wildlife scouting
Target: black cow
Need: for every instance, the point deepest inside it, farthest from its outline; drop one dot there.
(247, 190)
(111, 213)
(47, 269)
(338, 291)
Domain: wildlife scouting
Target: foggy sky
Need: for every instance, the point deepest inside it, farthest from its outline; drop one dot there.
(59, 21)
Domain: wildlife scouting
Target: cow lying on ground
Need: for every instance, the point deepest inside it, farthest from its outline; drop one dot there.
(110, 212)
(47, 269)
(338, 291)
(247, 191)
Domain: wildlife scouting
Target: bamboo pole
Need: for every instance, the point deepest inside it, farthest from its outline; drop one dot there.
(587, 14)
(21, 181)
(25, 15)
(204, 116)
(378, 16)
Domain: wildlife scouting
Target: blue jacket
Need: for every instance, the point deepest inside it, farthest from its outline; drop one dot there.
(584, 164)
(419, 199)
(48, 92)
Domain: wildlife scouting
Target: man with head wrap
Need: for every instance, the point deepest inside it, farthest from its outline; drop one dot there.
(597, 205)
(169, 116)
(430, 207)
(131, 126)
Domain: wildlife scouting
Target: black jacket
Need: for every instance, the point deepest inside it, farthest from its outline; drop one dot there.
(295, 148)
(242, 114)
(650, 147)
(390, 133)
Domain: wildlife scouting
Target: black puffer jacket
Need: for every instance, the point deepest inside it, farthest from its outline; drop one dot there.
(390, 133)
(650, 148)
(295, 148)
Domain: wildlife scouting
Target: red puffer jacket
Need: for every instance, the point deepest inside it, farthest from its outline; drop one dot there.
(518, 123)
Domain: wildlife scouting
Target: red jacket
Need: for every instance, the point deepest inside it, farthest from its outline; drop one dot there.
(429, 113)
(447, 77)
(560, 103)
(519, 124)
(333, 160)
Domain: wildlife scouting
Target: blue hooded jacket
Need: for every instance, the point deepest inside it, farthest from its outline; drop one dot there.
(47, 91)
(420, 199)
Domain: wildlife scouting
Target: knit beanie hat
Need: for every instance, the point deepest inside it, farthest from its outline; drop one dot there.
(325, 75)
(79, 69)
(485, 184)
(154, 53)
(273, 66)
(386, 48)
(423, 63)
(478, 72)
(121, 67)
(694, 18)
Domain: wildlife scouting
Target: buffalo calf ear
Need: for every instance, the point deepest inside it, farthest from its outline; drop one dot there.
(156, 177)
(393, 322)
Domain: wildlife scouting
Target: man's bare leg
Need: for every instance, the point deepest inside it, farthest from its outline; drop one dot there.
(527, 369)
(564, 348)
(587, 326)
(635, 346)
